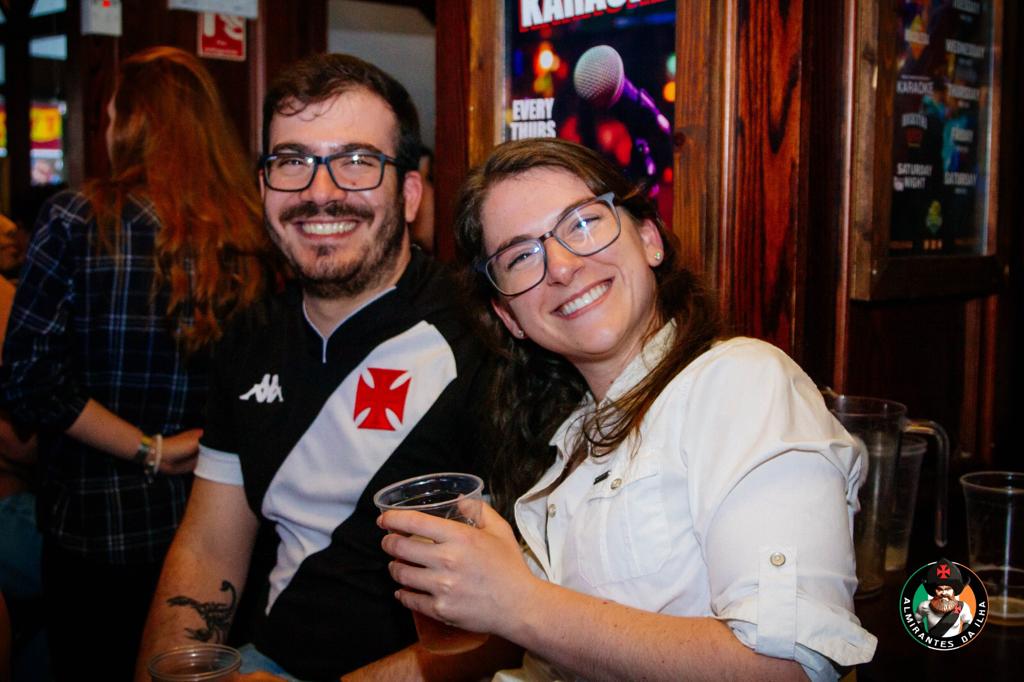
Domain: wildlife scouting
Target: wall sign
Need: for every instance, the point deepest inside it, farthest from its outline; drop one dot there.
(926, 103)
(237, 8)
(942, 108)
(221, 36)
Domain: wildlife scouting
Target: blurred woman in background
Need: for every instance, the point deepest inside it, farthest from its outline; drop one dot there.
(126, 285)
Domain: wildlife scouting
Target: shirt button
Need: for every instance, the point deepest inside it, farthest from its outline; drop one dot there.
(552, 510)
(777, 558)
(616, 483)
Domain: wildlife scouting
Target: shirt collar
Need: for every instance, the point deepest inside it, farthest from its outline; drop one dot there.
(634, 372)
(325, 338)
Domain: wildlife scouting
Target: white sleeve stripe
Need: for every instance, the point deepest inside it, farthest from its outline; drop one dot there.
(219, 466)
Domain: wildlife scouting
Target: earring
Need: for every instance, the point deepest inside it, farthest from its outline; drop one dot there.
(520, 333)
(657, 255)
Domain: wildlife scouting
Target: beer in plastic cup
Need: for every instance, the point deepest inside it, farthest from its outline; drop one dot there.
(451, 496)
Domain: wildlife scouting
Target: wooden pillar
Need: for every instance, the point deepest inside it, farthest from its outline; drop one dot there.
(741, 135)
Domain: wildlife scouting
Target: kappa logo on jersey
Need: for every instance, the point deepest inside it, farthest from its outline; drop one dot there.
(380, 396)
(266, 391)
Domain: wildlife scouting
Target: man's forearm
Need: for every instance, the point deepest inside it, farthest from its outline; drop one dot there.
(204, 572)
(194, 602)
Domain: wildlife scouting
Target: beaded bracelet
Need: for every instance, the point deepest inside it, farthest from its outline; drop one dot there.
(152, 466)
(145, 448)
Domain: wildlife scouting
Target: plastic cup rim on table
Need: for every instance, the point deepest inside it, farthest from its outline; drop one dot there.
(232, 662)
(968, 481)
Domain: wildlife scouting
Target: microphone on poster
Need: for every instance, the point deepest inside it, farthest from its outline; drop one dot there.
(600, 79)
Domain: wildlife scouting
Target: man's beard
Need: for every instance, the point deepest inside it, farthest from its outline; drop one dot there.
(942, 604)
(328, 280)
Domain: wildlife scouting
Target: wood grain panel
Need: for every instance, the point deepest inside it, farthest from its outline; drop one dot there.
(698, 162)
(827, 92)
(486, 84)
(454, 19)
(912, 352)
(761, 265)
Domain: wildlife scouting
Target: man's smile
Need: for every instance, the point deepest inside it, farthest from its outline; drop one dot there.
(327, 228)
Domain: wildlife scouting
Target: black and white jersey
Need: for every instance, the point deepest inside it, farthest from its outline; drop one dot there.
(313, 427)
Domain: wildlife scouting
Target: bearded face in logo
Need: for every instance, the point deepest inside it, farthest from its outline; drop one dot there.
(944, 600)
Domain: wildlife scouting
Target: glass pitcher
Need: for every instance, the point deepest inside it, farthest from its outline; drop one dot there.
(880, 424)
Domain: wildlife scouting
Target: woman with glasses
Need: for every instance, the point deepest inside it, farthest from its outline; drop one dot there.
(682, 504)
(126, 286)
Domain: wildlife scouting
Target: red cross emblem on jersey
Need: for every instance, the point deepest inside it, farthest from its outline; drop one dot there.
(379, 396)
(943, 570)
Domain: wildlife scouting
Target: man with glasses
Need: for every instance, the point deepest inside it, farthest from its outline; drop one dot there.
(362, 375)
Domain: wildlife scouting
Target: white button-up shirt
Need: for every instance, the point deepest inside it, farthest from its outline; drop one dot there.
(736, 502)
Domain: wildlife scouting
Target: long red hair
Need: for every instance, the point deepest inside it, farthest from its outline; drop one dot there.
(171, 142)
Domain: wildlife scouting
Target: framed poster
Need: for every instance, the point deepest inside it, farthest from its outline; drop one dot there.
(925, 160)
(598, 73)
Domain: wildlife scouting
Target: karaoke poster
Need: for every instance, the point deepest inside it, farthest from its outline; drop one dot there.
(597, 72)
(940, 130)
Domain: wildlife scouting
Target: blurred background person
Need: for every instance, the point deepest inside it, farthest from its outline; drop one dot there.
(20, 541)
(13, 243)
(421, 228)
(125, 287)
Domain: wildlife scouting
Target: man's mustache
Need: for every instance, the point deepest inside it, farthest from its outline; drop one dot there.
(332, 209)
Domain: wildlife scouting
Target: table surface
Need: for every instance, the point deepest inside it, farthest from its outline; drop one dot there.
(899, 657)
(996, 654)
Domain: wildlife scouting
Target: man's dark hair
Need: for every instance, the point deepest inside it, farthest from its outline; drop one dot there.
(320, 77)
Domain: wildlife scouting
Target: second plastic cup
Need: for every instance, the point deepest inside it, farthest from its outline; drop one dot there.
(995, 540)
(908, 473)
(454, 496)
(196, 663)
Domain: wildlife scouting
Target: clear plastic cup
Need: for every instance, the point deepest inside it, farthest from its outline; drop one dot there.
(454, 496)
(908, 474)
(196, 663)
(995, 540)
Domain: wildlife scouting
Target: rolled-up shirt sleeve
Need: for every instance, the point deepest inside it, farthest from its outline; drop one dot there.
(773, 484)
(218, 466)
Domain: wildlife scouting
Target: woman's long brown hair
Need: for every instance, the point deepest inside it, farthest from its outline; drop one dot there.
(535, 390)
(172, 143)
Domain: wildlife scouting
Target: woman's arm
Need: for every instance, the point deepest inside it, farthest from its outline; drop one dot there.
(36, 381)
(479, 581)
(100, 428)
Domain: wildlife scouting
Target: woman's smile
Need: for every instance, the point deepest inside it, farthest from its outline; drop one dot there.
(579, 303)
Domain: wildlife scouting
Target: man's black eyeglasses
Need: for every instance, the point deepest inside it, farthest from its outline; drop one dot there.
(352, 171)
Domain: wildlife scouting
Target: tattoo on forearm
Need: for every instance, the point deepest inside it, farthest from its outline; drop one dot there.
(216, 615)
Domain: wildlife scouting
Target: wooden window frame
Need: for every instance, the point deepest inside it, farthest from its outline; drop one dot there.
(875, 274)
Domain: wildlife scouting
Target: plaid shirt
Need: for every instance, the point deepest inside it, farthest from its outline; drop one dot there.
(86, 325)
